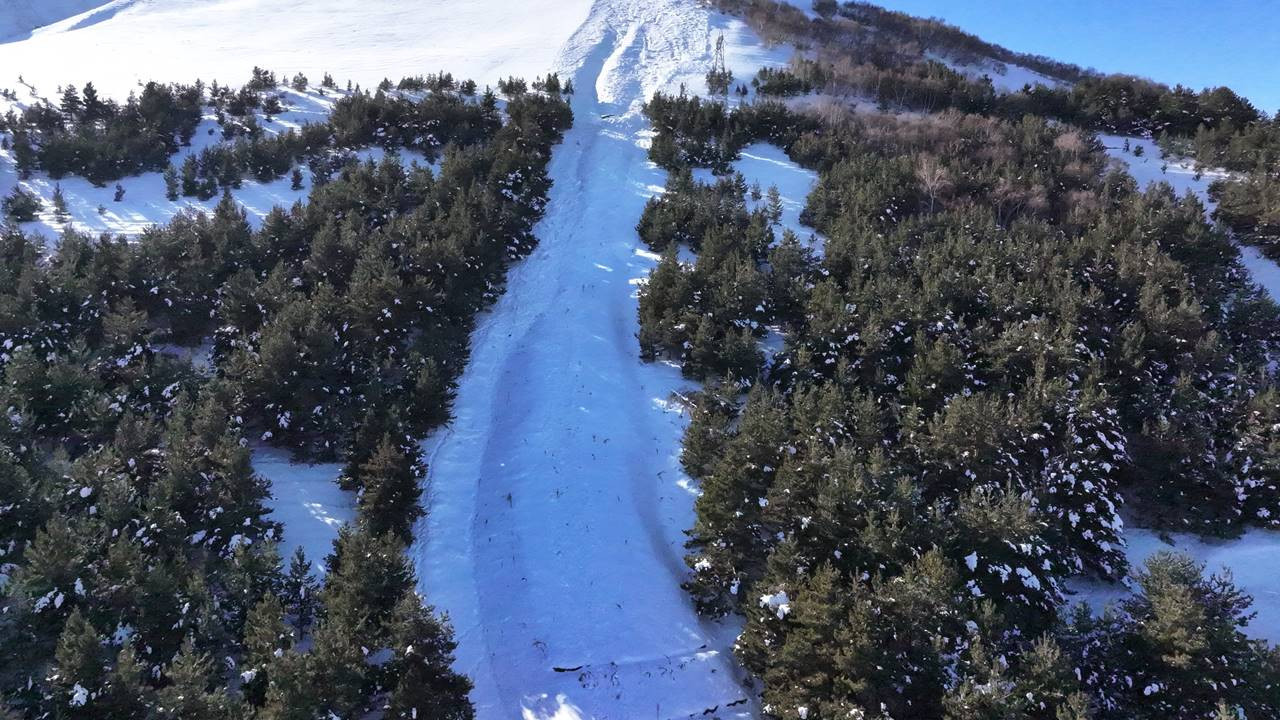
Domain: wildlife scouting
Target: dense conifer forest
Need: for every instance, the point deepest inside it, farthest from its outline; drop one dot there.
(143, 578)
(1001, 352)
(894, 59)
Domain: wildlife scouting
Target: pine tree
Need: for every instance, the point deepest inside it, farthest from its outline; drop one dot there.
(171, 183)
(391, 480)
(266, 637)
(301, 590)
(59, 203)
(189, 695)
(424, 685)
(367, 575)
(295, 179)
(79, 669)
(125, 694)
(774, 204)
(94, 108)
(71, 104)
(24, 154)
(22, 206)
(254, 573)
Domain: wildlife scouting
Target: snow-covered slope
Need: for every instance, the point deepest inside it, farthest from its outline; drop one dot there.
(1005, 77)
(18, 18)
(554, 535)
(126, 42)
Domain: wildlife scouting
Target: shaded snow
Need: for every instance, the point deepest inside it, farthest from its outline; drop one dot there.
(19, 18)
(1251, 559)
(306, 501)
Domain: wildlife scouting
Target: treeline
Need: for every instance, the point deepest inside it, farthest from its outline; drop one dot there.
(360, 119)
(100, 139)
(933, 34)
(999, 347)
(142, 577)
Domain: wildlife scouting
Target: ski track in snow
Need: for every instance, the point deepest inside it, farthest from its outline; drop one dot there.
(556, 509)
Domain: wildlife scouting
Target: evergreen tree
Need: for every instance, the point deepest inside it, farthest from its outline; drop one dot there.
(71, 104)
(424, 685)
(171, 183)
(59, 203)
(301, 590)
(391, 479)
(189, 696)
(125, 694)
(79, 670)
(266, 637)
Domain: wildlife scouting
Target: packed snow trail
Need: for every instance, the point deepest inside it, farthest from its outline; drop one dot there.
(556, 510)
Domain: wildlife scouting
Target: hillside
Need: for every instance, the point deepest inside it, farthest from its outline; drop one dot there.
(620, 359)
(18, 18)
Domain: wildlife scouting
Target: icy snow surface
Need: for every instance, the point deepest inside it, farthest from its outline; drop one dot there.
(557, 505)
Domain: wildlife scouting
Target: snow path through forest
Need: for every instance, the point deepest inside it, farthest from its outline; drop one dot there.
(556, 510)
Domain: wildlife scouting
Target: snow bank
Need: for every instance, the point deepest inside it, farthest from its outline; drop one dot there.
(1251, 559)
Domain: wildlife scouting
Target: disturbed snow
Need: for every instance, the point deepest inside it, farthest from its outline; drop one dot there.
(554, 535)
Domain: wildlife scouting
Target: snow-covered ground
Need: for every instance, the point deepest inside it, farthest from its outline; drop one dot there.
(1005, 77)
(306, 501)
(94, 210)
(554, 535)
(118, 44)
